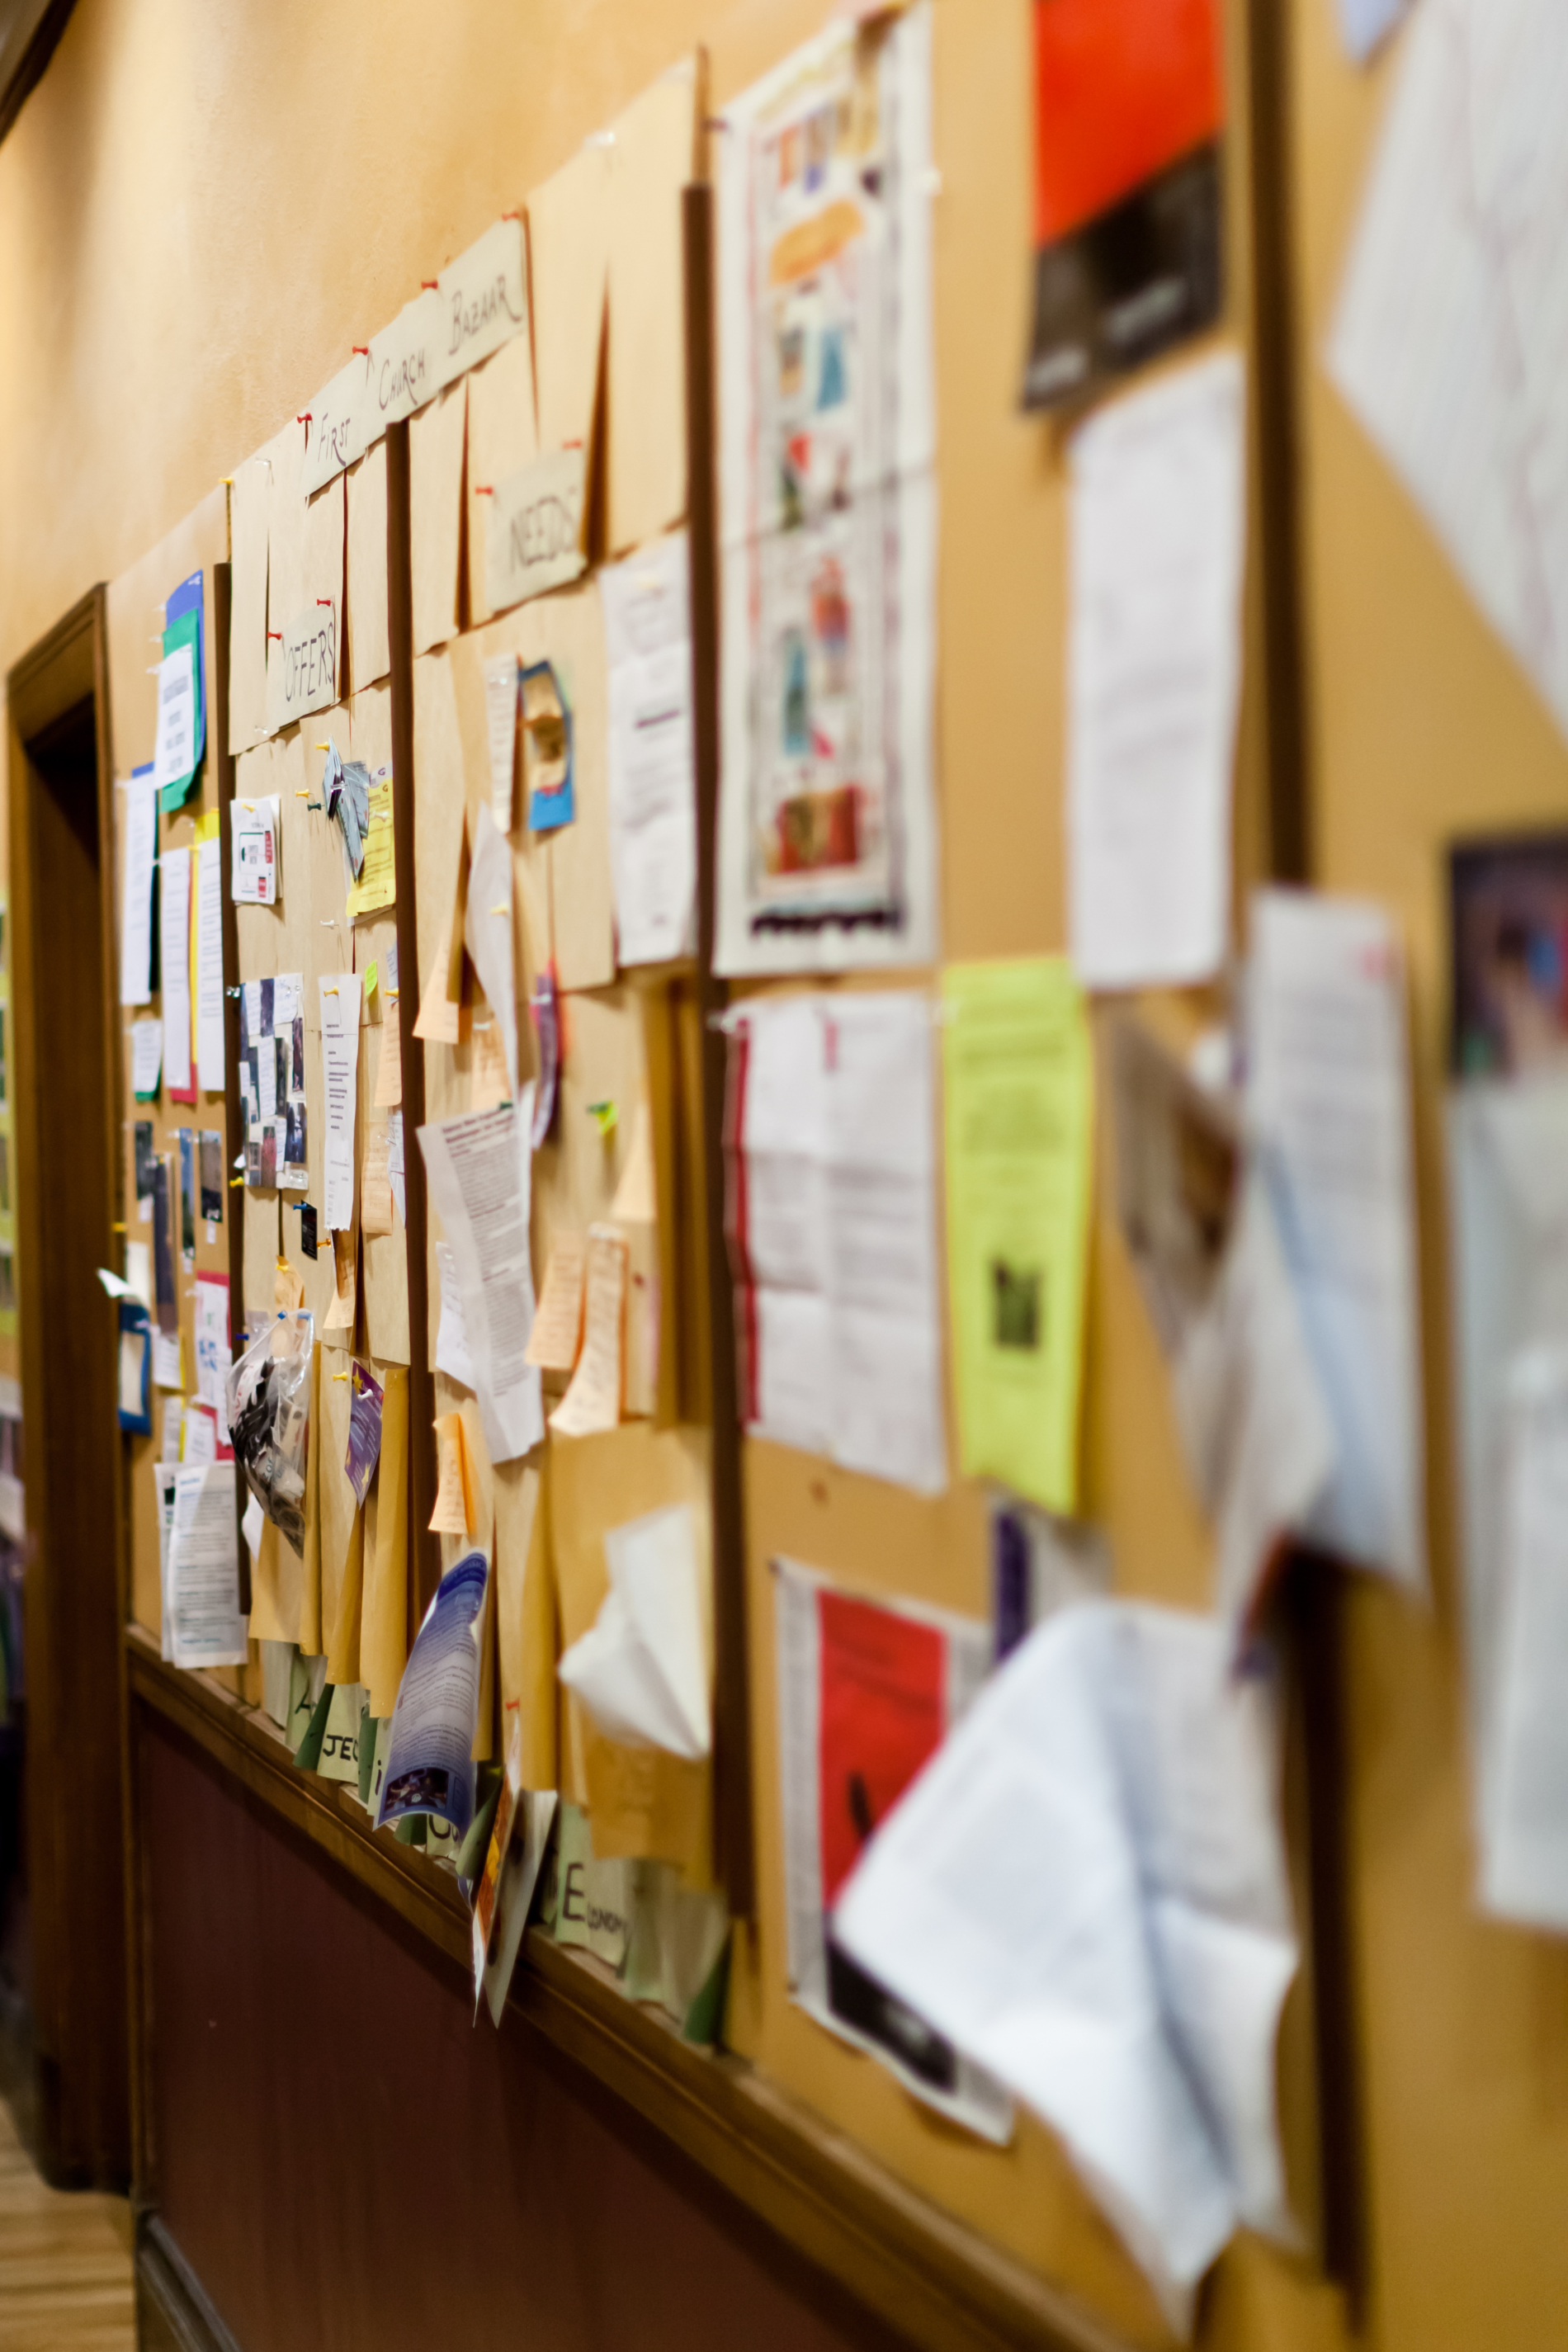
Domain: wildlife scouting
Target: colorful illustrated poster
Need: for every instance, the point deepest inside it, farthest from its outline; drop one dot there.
(1129, 108)
(827, 444)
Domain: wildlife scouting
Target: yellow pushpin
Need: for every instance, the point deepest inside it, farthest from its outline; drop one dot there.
(604, 1115)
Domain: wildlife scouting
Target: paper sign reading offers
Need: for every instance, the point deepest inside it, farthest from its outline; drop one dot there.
(534, 540)
(301, 675)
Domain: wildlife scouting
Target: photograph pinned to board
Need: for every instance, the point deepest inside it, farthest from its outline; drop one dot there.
(1508, 976)
(254, 878)
(1129, 231)
(829, 507)
(547, 771)
(274, 1081)
(212, 1175)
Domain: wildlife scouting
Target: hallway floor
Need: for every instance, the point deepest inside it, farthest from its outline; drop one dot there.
(66, 2275)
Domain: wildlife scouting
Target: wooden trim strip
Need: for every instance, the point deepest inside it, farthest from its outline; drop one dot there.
(733, 1821)
(174, 2311)
(919, 2269)
(424, 1549)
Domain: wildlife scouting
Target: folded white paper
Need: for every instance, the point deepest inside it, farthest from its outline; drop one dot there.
(641, 1669)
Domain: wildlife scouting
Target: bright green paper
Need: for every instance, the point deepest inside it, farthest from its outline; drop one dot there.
(1020, 1111)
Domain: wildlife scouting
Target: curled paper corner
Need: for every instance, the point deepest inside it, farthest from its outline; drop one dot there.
(641, 1669)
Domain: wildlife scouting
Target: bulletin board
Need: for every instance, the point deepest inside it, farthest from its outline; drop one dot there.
(134, 627)
(636, 1042)
(1423, 731)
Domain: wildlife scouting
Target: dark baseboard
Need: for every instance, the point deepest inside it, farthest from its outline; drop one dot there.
(173, 2313)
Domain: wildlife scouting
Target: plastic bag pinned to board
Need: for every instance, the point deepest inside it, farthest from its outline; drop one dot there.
(268, 1395)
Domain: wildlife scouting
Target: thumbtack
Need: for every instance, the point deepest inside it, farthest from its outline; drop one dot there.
(302, 792)
(340, 1376)
(228, 481)
(483, 490)
(429, 286)
(326, 601)
(279, 635)
(361, 351)
(118, 1226)
(515, 213)
(303, 420)
(502, 909)
(235, 1182)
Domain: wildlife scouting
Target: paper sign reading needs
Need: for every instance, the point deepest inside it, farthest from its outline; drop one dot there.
(533, 539)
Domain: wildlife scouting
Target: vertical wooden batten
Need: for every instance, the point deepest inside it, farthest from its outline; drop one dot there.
(733, 1831)
(424, 1549)
(222, 757)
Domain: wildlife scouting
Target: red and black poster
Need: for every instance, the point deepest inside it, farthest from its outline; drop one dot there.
(1129, 107)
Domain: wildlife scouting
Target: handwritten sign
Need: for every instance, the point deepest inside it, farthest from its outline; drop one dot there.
(301, 675)
(338, 421)
(484, 300)
(533, 539)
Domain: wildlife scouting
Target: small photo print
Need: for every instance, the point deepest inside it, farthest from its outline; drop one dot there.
(212, 1175)
(1014, 1305)
(1509, 968)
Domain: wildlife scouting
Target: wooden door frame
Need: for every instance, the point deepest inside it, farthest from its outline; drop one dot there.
(86, 2137)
